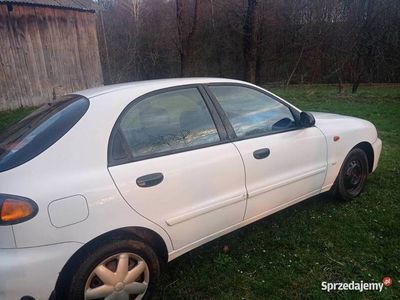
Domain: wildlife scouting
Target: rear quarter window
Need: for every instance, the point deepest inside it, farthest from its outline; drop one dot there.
(38, 131)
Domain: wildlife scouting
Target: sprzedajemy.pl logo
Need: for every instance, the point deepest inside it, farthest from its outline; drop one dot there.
(360, 286)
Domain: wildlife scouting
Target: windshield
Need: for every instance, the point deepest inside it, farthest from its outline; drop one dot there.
(38, 131)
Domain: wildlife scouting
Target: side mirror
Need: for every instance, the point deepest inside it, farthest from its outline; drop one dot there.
(306, 119)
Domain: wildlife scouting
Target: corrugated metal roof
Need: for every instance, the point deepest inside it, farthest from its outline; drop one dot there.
(81, 5)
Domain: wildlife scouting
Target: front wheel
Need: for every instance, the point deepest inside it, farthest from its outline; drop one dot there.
(353, 175)
(122, 269)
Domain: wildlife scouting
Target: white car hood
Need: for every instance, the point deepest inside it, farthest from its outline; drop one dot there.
(355, 128)
(328, 116)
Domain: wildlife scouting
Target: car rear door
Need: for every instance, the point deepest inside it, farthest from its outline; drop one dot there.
(171, 161)
(283, 163)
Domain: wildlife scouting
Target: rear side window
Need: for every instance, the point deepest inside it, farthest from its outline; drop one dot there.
(34, 134)
(169, 121)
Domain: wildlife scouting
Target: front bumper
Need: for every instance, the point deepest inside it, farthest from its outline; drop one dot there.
(377, 146)
(33, 271)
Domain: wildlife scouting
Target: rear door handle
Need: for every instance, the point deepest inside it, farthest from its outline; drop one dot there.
(261, 153)
(150, 180)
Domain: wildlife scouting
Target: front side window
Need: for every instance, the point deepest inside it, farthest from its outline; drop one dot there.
(166, 122)
(38, 131)
(251, 112)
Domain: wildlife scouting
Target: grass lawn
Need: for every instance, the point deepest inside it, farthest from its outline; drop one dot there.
(288, 254)
(10, 117)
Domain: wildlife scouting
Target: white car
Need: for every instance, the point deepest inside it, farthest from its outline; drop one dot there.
(102, 188)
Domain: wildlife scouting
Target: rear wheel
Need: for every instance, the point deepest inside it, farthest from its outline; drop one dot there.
(122, 269)
(353, 175)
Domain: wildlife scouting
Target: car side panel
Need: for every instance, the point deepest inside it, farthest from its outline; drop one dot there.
(203, 191)
(377, 146)
(351, 131)
(75, 165)
(296, 166)
(32, 271)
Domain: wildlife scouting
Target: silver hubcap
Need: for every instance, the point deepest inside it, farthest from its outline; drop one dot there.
(122, 276)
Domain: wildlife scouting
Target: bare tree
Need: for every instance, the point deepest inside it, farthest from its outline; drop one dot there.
(250, 42)
(285, 41)
(186, 27)
(216, 40)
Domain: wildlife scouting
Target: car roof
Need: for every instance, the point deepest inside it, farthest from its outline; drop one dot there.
(154, 84)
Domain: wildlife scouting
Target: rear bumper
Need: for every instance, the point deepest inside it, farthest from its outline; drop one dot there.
(32, 271)
(377, 146)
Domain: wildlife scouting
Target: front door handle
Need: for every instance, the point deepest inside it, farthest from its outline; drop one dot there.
(261, 153)
(150, 180)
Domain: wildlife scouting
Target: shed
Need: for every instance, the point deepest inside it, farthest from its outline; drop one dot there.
(47, 48)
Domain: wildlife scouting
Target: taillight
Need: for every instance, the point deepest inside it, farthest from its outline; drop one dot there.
(16, 209)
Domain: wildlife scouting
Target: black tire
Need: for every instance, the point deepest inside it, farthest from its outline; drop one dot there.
(75, 288)
(352, 176)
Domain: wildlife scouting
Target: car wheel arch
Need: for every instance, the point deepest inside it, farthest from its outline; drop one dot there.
(369, 151)
(148, 236)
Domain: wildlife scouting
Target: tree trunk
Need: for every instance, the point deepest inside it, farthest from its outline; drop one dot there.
(217, 44)
(355, 86)
(180, 23)
(356, 75)
(250, 42)
(185, 63)
(185, 40)
(340, 84)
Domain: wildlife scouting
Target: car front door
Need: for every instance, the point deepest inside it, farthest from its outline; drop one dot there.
(284, 163)
(170, 160)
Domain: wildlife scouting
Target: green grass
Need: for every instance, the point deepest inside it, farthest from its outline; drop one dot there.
(288, 254)
(9, 117)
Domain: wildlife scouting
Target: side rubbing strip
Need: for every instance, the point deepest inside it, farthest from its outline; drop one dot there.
(203, 210)
(285, 182)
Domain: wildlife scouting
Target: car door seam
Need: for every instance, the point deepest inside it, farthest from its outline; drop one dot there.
(326, 156)
(127, 202)
(245, 180)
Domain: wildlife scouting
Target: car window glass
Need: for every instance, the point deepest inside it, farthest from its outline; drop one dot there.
(252, 112)
(38, 131)
(169, 121)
